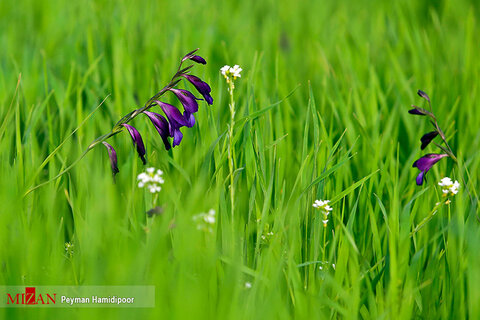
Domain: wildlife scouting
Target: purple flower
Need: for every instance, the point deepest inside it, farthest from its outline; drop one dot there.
(427, 138)
(425, 163)
(113, 158)
(162, 126)
(202, 87)
(191, 55)
(198, 59)
(175, 120)
(188, 100)
(137, 141)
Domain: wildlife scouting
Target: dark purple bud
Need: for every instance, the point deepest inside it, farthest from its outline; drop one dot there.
(191, 55)
(425, 163)
(416, 111)
(137, 141)
(198, 59)
(113, 158)
(202, 87)
(161, 124)
(188, 100)
(155, 211)
(427, 138)
(423, 95)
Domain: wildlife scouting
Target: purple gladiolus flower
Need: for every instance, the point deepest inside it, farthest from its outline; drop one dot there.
(427, 138)
(162, 126)
(113, 158)
(425, 163)
(188, 100)
(137, 141)
(175, 120)
(202, 87)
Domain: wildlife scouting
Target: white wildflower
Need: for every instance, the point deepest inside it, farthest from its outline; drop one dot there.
(325, 209)
(205, 221)
(152, 179)
(235, 71)
(224, 70)
(231, 73)
(248, 285)
(449, 187)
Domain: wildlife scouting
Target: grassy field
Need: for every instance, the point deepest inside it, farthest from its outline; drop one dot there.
(321, 113)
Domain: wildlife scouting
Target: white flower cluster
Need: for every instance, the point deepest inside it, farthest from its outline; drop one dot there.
(205, 221)
(323, 205)
(231, 73)
(449, 187)
(267, 236)
(152, 179)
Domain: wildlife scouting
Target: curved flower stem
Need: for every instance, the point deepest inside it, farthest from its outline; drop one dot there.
(118, 127)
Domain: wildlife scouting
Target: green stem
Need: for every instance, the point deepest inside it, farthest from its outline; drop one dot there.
(324, 241)
(427, 218)
(231, 156)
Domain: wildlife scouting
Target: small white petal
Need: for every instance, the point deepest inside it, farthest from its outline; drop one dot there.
(209, 219)
(224, 69)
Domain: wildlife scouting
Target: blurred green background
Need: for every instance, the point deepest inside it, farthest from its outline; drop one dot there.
(322, 114)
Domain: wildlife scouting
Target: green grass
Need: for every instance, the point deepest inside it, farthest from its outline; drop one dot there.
(322, 114)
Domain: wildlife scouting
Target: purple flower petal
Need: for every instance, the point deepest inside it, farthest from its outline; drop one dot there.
(202, 87)
(188, 100)
(425, 163)
(419, 179)
(174, 116)
(137, 141)
(162, 126)
(189, 119)
(177, 137)
(427, 138)
(113, 158)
